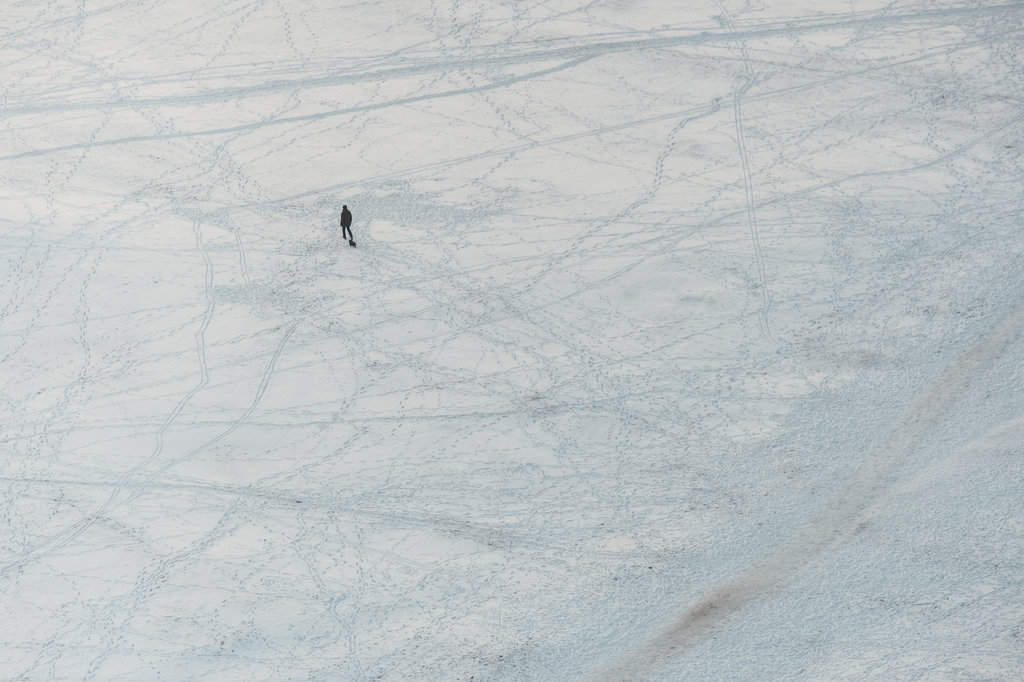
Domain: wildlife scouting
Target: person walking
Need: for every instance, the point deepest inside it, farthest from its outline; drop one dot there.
(346, 225)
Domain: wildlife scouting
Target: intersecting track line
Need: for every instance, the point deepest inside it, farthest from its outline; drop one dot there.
(67, 535)
(573, 52)
(575, 55)
(764, 322)
(74, 531)
(267, 373)
(942, 158)
(247, 127)
(835, 524)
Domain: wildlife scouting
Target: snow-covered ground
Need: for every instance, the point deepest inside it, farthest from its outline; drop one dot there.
(682, 341)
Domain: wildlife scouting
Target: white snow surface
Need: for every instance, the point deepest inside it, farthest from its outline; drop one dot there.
(682, 340)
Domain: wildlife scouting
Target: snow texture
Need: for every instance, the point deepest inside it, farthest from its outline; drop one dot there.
(683, 340)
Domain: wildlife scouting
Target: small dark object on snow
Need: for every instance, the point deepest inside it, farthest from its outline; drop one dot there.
(351, 243)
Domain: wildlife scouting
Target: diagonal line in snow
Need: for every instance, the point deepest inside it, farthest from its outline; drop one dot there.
(572, 52)
(248, 127)
(833, 526)
(58, 540)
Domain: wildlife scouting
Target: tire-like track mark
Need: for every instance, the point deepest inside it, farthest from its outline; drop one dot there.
(264, 382)
(764, 321)
(242, 264)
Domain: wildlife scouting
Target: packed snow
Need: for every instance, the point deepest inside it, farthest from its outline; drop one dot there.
(681, 340)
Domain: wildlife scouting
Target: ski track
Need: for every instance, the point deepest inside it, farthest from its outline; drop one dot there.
(656, 314)
(749, 80)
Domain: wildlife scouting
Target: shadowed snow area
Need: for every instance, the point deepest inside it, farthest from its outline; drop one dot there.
(681, 341)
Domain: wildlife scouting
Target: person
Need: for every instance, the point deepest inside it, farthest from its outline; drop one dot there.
(346, 224)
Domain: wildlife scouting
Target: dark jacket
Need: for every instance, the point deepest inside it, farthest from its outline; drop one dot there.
(346, 218)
